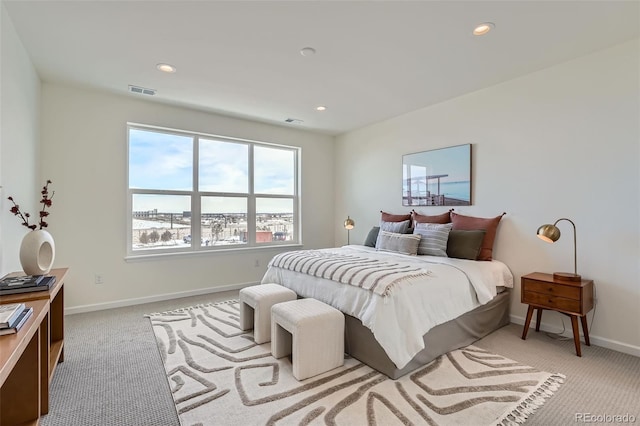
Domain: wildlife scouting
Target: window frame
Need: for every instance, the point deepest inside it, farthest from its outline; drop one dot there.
(196, 197)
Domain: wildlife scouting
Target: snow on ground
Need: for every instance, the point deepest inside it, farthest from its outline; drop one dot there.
(150, 224)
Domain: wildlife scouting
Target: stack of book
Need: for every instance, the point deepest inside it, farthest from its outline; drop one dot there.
(25, 283)
(12, 317)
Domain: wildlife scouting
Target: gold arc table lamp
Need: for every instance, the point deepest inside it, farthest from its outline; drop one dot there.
(551, 234)
(348, 225)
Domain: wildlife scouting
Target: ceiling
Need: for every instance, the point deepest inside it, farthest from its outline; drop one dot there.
(373, 61)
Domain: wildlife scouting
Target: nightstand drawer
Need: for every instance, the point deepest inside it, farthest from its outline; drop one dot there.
(551, 289)
(552, 302)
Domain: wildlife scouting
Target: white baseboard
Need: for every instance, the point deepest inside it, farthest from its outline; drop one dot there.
(595, 340)
(149, 299)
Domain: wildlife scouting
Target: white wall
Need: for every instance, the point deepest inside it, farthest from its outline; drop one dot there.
(19, 141)
(84, 145)
(562, 142)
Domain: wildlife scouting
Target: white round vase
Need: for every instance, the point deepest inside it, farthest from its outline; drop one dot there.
(37, 252)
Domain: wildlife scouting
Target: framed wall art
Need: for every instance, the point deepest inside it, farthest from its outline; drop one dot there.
(440, 177)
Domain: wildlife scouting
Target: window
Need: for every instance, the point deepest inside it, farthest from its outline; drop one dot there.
(194, 192)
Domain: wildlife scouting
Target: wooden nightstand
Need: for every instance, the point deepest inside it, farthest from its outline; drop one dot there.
(575, 299)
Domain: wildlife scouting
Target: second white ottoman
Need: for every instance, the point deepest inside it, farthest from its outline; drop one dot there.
(312, 331)
(255, 308)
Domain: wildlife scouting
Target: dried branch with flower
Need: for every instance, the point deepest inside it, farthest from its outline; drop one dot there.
(45, 201)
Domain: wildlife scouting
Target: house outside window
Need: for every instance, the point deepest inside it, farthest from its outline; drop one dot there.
(193, 192)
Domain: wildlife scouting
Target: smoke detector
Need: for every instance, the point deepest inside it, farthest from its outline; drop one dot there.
(307, 51)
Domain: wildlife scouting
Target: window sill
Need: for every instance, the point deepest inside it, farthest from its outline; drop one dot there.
(225, 252)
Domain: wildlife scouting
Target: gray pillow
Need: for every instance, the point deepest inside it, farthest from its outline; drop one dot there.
(370, 241)
(465, 244)
(397, 227)
(398, 243)
(434, 238)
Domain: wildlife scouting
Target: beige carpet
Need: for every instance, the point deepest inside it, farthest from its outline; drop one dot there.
(219, 376)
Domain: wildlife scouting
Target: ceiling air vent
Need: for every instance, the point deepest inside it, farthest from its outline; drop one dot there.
(141, 90)
(293, 120)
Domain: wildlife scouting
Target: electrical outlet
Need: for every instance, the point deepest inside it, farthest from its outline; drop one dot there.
(99, 279)
(257, 263)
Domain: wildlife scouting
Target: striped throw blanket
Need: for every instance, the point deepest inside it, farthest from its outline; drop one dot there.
(375, 275)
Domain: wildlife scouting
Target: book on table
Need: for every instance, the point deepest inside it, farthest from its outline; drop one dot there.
(21, 281)
(9, 314)
(23, 316)
(41, 283)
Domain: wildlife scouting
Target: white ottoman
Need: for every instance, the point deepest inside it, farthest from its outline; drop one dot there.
(255, 308)
(313, 331)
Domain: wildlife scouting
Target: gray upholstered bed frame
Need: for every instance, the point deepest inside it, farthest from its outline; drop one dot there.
(454, 334)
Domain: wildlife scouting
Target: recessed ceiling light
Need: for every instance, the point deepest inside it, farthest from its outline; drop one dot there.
(166, 68)
(483, 28)
(307, 51)
(321, 108)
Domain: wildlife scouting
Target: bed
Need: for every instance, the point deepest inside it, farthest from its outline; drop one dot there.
(401, 311)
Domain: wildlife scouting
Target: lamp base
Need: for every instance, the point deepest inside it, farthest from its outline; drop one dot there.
(566, 276)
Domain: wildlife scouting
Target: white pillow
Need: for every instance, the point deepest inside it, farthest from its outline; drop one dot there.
(398, 243)
(434, 238)
(397, 227)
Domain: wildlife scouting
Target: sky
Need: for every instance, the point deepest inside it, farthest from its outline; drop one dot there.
(454, 161)
(165, 161)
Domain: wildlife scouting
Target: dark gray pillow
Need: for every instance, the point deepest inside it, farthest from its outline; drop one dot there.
(370, 241)
(465, 244)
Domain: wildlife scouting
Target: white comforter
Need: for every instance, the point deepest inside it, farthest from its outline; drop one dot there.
(399, 321)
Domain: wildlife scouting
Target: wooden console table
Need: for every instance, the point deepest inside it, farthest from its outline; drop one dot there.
(54, 331)
(23, 368)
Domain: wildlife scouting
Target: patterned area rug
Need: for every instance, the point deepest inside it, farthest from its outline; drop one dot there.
(219, 376)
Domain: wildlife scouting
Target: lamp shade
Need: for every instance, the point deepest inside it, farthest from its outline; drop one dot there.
(551, 234)
(349, 223)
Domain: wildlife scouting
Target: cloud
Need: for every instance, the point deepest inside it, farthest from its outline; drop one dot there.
(274, 170)
(160, 160)
(164, 161)
(224, 166)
